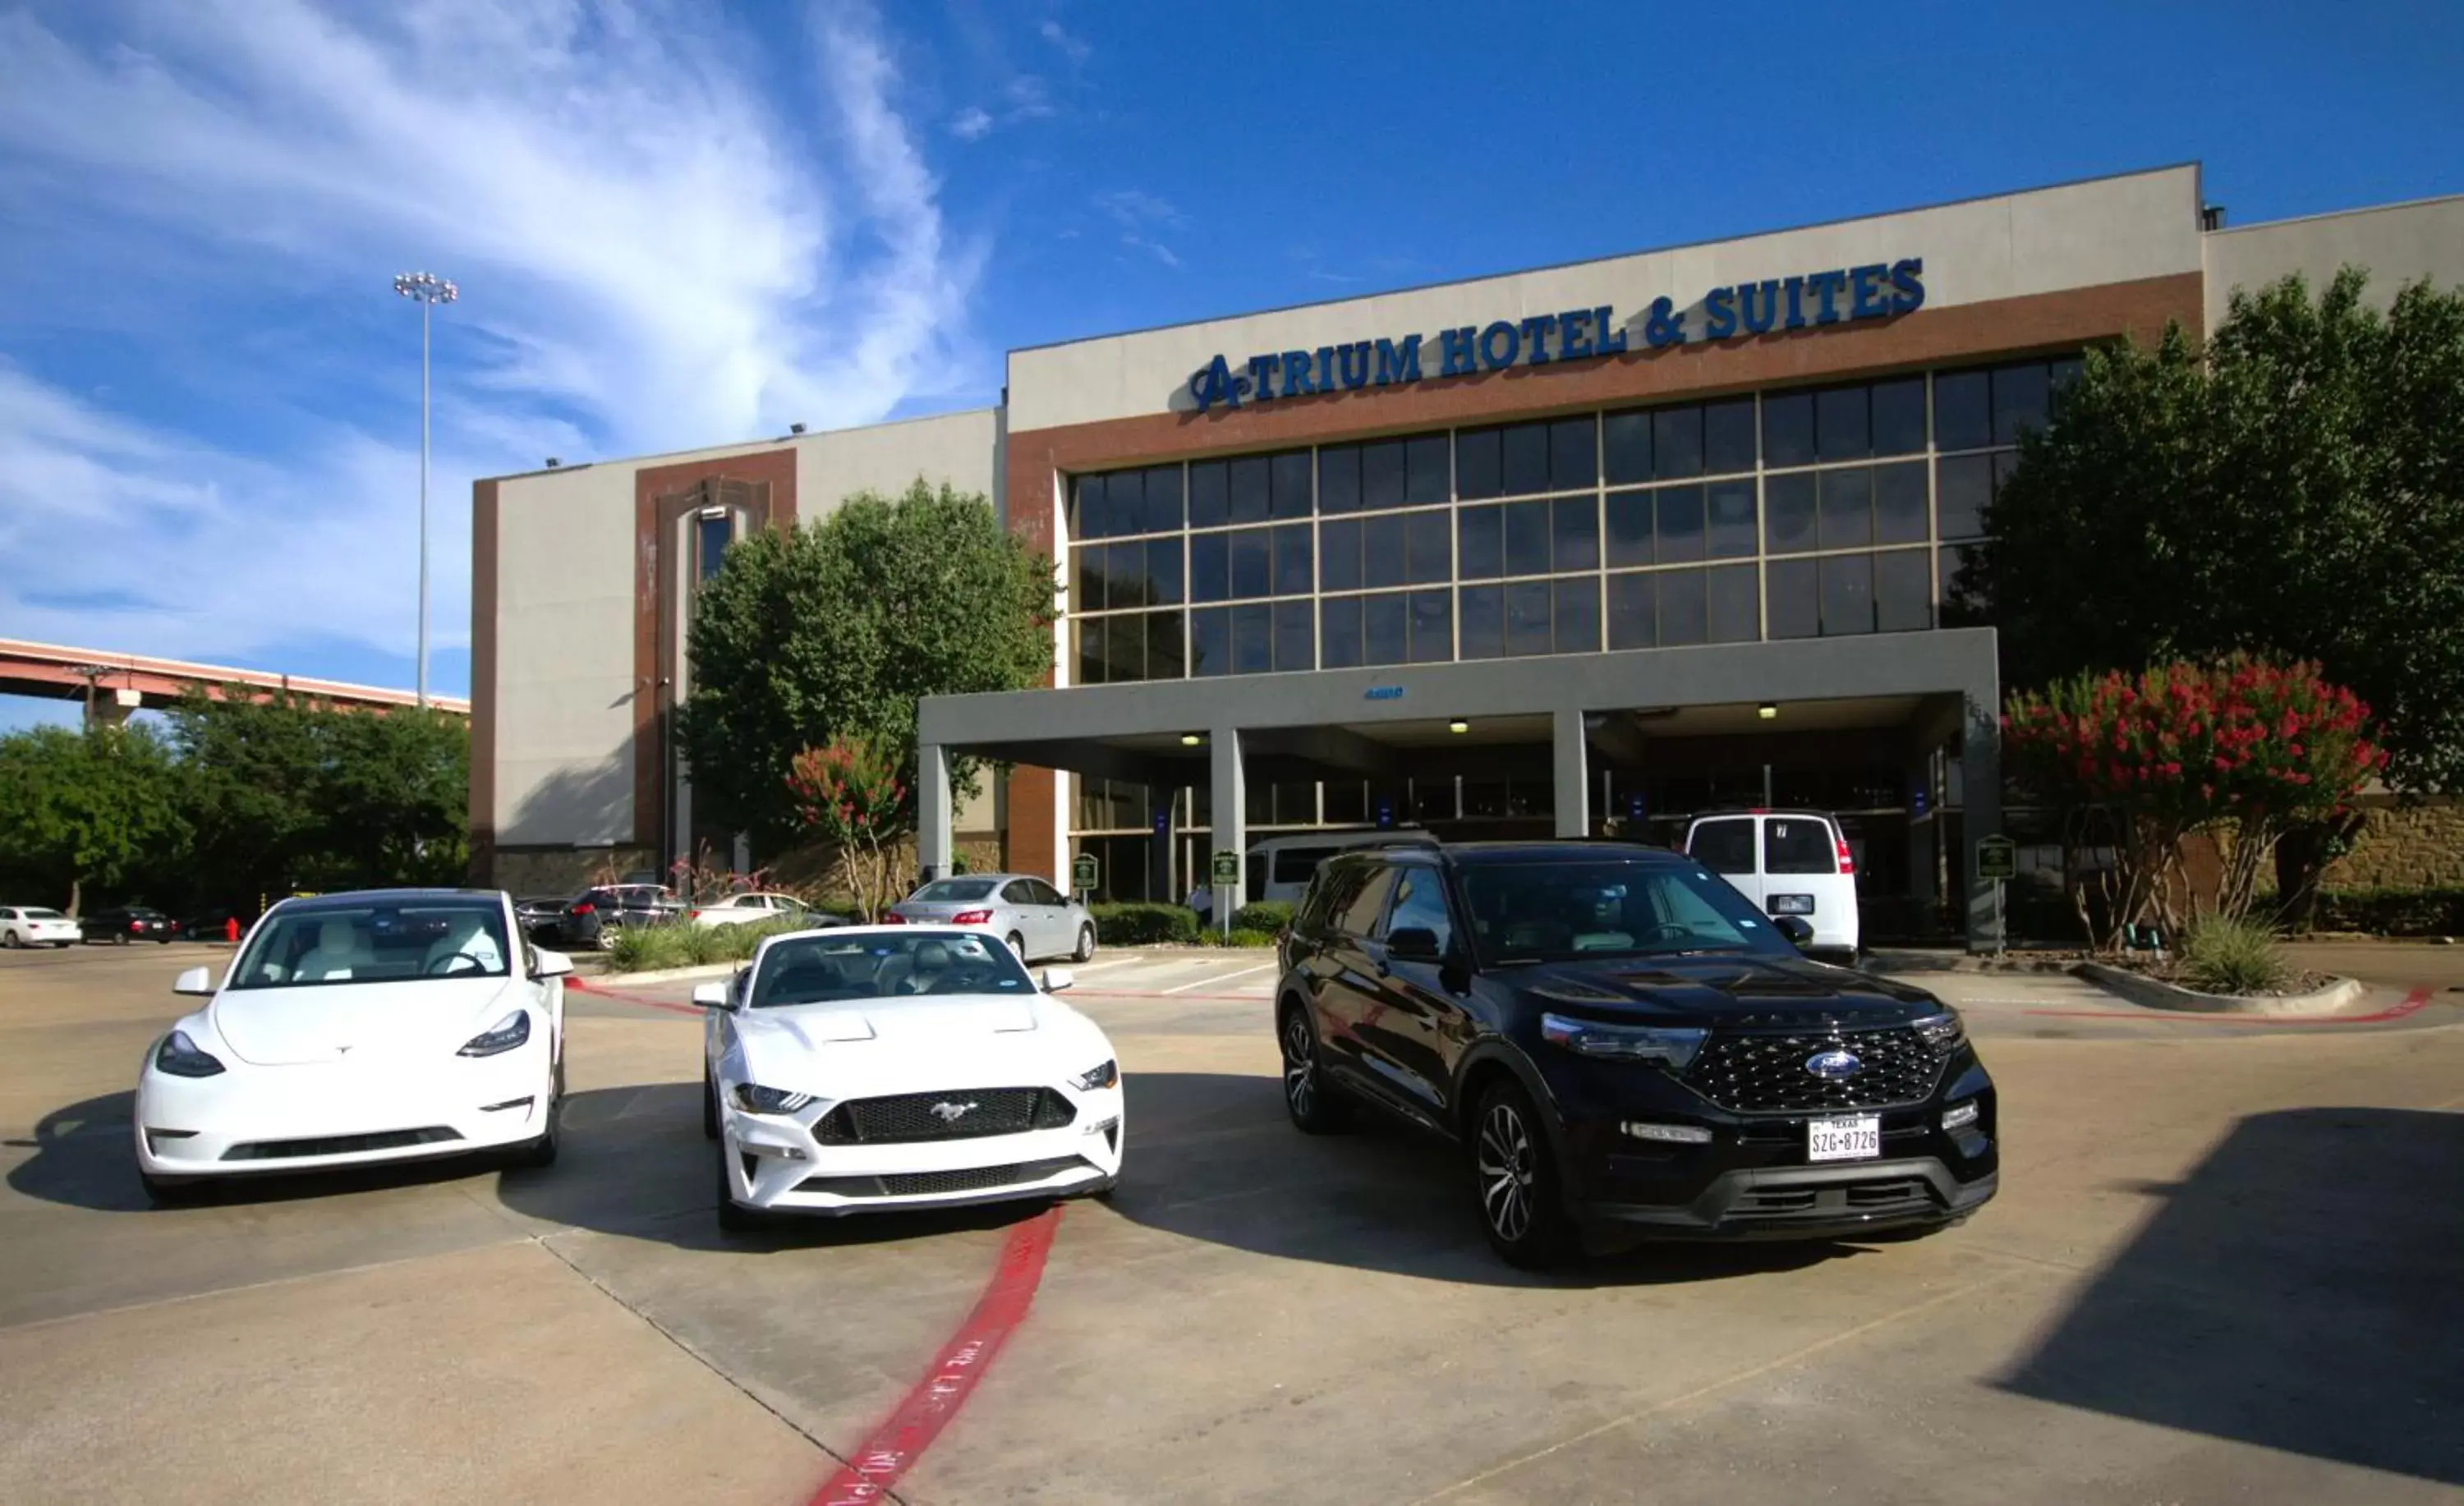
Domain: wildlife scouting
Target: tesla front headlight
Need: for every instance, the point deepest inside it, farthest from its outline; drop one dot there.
(1673, 1045)
(1942, 1032)
(753, 1099)
(1095, 1078)
(499, 1037)
(180, 1057)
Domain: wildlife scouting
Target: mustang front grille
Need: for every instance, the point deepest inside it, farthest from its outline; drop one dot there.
(339, 1145)
(926, 1184)
(969, 1114)
(1758, 1074)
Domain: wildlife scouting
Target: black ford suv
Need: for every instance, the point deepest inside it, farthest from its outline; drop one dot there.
(1624, 1048)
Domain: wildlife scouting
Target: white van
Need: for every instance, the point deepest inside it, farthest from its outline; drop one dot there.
(1278, 868)
(1789, 862)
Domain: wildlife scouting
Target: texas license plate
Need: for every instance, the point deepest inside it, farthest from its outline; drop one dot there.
(1857, 1136)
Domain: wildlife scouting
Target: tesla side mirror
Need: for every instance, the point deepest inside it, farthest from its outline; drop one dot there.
(709, 996)
(554, 964)
(1058, 979)
(1796, 927)
(196, 980)
(1414, 944)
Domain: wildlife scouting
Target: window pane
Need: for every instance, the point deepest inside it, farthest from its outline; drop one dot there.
(1288, 484)
(1292, 560)
(1339, 479)
(1253, 638)
(1163, 570)
(1382, 620)
(1295, 649)
(1428, 545)
(1573, 453)
(1125, 648)
(2058, 375)
(1479, 549)
(1381, 550)
(1574, 533)
(1680, 513)
(1210, 642)
(1728, 436)
(1633, 612)
(2019, 400)
(1086, 582)
(1125, 574)
(1088, 518)
(1163, 645)
(1345, 802)
(2003, 463)
(1433, 798)
(1426, 477)
(1340, 632)
(1483, 621)
(1787, 513)
(1788, 429)
(1432, 627)
(1629, 520)
(1900, 503)
(1478, 465)
(1962, 486)
(1382, 475)
(1577, 614)
(1089, 655)
(1208, 494)
(1252, 480)
(1526, 463)
(1251, 563)
(1526, 618)
(1962, 419)
(1676, 442)
(1902, 592)
(1847, 594)
(1163, 500)
(1338, 558)
(1794, 609)
(1736, 605)
(1731, 509)
(1847, 508)
(1683, 608)
(1949, 564)
(1842, 427)
(1626, 438)
(1899, 416)
(1527, 538)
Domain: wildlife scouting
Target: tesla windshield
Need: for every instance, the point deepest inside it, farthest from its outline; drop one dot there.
(1546, 911)
(820, 970)
(376, 942)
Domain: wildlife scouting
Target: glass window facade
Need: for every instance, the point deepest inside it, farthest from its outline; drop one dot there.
(1797, 513)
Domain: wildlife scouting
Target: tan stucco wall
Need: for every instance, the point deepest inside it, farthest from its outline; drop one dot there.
(960, 448)
(2399, 243)
(2086, 234)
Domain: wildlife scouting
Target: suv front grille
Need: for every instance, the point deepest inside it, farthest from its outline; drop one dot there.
(969, 1114)
(1757, 1074)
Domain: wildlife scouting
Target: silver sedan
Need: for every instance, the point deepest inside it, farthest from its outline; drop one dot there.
(1036, 919)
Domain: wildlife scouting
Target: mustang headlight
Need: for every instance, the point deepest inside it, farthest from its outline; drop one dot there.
(1094, 1078)
(180, 1057)
(1942, 1032)
(499, 1037)
(753, 1099)
(1673, 1045)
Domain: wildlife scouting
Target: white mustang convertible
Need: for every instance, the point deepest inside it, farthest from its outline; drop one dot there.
(389, 1025)
(875, 1067)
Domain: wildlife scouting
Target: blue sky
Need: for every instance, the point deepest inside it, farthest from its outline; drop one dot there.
(678, 224)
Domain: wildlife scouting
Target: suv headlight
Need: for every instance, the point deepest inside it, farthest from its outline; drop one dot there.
(1942, 1032)
(1674, 1045)
(753, 1099)
(502, 1037)
(1094, 1078)
(180, 1057)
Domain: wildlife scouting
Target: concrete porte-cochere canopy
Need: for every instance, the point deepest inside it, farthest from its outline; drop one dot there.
(1568, 717)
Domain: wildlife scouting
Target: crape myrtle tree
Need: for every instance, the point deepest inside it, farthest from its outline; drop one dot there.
(819, 634)
(2294, 490)
(850, 794)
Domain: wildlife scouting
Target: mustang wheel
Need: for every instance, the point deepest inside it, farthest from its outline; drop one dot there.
(708, 1106)
(1315, 1109)
(1515, 1174)
(1086, 944)
(734, 1217)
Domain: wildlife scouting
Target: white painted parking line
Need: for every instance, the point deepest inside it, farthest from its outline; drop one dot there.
(1226, 977)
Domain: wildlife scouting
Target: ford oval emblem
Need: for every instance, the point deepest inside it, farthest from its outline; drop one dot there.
(1834, 1063)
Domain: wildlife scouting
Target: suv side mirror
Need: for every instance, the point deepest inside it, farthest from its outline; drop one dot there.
(1796, 927)
(1414, 944)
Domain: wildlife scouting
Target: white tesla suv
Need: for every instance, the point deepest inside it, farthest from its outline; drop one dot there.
(389, 1025)
(908, 1066)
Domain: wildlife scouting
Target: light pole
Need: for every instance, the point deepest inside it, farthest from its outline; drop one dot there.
(429, 290)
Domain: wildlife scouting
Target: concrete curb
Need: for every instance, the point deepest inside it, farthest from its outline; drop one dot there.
(713, 970)
(2155, 993)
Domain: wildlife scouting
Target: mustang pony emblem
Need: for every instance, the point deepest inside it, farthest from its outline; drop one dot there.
(949, 1113)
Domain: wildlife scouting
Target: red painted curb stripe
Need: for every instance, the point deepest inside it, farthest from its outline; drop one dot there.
(579, 987)
(2413, 1003)
(899, 1443)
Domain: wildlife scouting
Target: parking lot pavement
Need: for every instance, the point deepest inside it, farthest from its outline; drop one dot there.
(2223, 1267)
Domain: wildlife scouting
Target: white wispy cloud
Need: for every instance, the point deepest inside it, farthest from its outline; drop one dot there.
(971, 124)
(653, 253)
(1071, 47)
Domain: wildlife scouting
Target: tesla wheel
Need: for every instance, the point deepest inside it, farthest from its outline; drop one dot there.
(1086, 944)
(1515, 1174)
(1315, 1108)
(1018, 946)
(708, 1106)
(734, 1217)
(542, 1152)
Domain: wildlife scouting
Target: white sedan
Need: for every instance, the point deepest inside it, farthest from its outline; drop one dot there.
(875, 1067)
(738, 910)
(389, 1025)
(34, 926)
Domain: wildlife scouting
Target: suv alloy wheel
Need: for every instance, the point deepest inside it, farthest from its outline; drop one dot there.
(1315, 1109)
(1514, 1172)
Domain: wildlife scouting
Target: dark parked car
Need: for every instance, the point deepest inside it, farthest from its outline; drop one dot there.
(214, 923)
(588, 918)
(1624, 1048)
(123, 924)
(542, 915)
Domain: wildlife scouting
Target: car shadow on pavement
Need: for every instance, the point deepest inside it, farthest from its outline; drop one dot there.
(2301, 1289)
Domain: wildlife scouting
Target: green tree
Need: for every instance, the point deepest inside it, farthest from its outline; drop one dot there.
(85, 808)
(2295, 490)
(808, 636)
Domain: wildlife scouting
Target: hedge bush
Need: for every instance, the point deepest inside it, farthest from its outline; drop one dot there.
(2392, 912)
(1142, 924)
(647, 948)
(1240, 937)
(1267, 915)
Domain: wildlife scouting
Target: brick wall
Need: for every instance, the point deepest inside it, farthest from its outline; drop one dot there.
(2405, 847)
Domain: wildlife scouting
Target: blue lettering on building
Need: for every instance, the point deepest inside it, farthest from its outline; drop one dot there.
(1738, 311)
